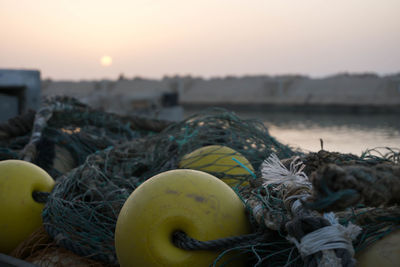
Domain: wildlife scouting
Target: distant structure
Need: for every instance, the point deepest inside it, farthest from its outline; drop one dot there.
(154, 99)
(19, 92)
(365, 92)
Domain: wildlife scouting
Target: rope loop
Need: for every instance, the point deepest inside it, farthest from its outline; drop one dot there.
(183, 241)
(40, 197)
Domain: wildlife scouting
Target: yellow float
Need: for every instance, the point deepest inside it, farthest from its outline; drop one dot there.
(194, 202)
(20, 214)
(385, 252)
(219, 159)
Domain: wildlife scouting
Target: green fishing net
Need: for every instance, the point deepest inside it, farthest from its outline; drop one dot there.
(98, 159)
(64, 132)
(362, 190)
(82, 210)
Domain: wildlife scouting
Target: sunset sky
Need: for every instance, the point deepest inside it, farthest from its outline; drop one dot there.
(93, 39)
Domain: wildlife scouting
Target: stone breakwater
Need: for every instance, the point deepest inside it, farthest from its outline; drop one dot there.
(343, 90)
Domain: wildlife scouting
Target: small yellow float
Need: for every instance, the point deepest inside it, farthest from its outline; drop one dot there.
(219, 159)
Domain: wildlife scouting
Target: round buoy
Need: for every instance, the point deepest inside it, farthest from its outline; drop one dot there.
(20, 214)
(218, 159)
(195, 202)
(385, 252)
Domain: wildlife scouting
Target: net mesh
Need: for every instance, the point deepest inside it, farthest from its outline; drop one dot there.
(64, 132)
(271, 205)
(84, 205)
(98, 159)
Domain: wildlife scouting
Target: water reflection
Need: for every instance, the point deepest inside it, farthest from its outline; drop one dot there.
(345, 133)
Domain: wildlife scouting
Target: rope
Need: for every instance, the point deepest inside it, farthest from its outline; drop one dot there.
(40, 197)
(338, 187)
(303, 226)
(335, 236)
(315, 160)
(183, 241)
(17, 126)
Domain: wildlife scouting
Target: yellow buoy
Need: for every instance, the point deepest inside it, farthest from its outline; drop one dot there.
(219, 159)
(385, 252)
(20, 214)
(194, 202)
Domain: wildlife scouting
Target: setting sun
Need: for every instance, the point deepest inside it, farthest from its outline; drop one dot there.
(106, 61)
(153, 38)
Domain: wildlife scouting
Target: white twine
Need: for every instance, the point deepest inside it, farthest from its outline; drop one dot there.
(334, 236)
(257, 210)
(352, 230)
(36, 136)
(274, 172)
(297, 206)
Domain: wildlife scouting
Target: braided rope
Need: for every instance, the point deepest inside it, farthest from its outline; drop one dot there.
(183, 241)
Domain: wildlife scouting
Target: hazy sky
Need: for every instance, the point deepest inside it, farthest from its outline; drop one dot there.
(66, 39)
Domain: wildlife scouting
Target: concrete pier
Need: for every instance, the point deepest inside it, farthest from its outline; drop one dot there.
(347, 92)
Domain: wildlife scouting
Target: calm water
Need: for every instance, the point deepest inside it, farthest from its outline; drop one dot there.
(345, 133)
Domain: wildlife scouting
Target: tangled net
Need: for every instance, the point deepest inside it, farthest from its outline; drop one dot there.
(283, 199)
(82, 210)
(64, 132)
(98, 159)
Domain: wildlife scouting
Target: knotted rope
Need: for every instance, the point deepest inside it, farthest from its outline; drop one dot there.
(303, 226)
(338, 187)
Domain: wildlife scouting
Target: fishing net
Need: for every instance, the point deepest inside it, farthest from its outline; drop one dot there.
(371, 157)
(81, 212)
(40, 250)
(61, 135)
(283, 199)
(15, 134)
(98, 159)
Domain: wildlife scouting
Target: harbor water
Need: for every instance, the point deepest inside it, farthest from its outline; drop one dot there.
(340, 132)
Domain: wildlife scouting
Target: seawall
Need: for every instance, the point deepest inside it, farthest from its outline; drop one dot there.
(348, 92)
